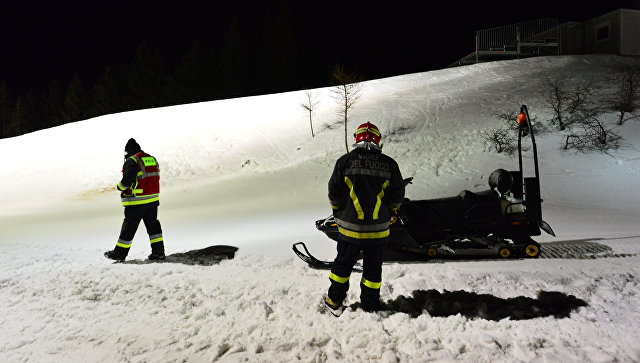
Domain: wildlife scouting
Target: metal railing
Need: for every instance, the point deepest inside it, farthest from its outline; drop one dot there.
(510, 38)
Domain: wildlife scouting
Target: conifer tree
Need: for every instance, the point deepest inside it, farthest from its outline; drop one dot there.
(280, 60)
(195, 78)
(6, 110)
(53, 105)
(21, 122)
(105, 94)
(146, 78)
(75, 101)
(233, 67)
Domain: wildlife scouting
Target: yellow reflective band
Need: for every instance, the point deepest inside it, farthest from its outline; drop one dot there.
(335, 207)
(138, 202)
(376, 210)
(338, 279)
(123, 245)
(159, 239)
(354, 197)
(370, 284)
(363, 235)
(137, 191)
(371, 130)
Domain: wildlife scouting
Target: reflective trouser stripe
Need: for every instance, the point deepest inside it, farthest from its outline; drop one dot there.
(363, 235)
(370, 284)
(157, 239)
(123, 243)
(338, 279)
(379, 201)
(354, 197)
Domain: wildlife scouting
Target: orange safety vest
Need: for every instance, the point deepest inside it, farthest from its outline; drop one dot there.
(146, 189)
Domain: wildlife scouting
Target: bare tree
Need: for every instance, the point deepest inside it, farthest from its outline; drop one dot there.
(566, 102)
(589, 133)
(346, 92)
(592, 135)
(626, 98)
(504, 137)
(310, 105)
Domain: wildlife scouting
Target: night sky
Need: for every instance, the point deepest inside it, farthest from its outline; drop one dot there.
(46, 40)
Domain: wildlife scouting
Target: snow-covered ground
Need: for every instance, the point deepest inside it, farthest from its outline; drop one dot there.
(246, 173)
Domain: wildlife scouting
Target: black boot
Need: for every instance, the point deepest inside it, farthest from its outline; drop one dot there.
(117, 254)
(157, 251)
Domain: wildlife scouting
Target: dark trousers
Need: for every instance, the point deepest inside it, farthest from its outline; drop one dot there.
(347, 257)
(132, 216)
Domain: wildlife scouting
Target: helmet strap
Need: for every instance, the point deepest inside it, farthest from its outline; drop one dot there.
(366, 145)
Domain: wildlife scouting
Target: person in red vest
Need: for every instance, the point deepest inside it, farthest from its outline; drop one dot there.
(140, 193)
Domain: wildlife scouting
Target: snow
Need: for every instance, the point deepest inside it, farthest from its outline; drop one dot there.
(246, 173)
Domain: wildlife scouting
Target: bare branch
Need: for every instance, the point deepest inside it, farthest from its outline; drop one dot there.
(347, 92)
(310, 105)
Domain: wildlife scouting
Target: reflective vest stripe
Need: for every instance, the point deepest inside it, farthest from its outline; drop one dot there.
(369, 172)
(376, 210)
(140, 200)
(338, 279)
(371, 284)
(362, 227)
(354, 198)
(363, 235)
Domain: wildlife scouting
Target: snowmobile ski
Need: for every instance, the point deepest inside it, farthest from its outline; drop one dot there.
(312, 261)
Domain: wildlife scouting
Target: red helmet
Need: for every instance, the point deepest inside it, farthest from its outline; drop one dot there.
(368, 132)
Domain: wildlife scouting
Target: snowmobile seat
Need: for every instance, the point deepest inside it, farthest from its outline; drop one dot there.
(481, 207)
(464, 208)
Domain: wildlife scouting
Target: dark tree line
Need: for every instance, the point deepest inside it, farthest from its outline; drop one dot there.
(238, 64)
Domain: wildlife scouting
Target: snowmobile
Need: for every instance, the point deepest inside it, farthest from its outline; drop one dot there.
(495, 222)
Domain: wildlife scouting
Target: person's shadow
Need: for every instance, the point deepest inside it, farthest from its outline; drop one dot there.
(208, 256)
(484, 306)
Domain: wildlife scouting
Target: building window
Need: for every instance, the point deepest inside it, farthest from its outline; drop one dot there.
(602, 32)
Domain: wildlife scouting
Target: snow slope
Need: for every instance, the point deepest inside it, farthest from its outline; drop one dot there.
(246, 173)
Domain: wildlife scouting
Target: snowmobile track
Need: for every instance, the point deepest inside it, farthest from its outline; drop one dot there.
(579, 250)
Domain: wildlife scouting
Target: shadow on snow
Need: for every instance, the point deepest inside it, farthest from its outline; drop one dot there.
(208, 256)
(484, 306)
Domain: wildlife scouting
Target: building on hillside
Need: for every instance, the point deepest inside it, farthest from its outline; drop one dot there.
(617, 32)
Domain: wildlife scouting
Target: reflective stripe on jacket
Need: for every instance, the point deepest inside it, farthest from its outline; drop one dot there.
(140, 182)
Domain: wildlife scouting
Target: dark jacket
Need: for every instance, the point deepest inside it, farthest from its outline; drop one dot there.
(364, 187)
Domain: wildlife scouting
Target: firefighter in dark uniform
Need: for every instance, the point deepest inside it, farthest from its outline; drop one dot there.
(140, 192)
(366, 187)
